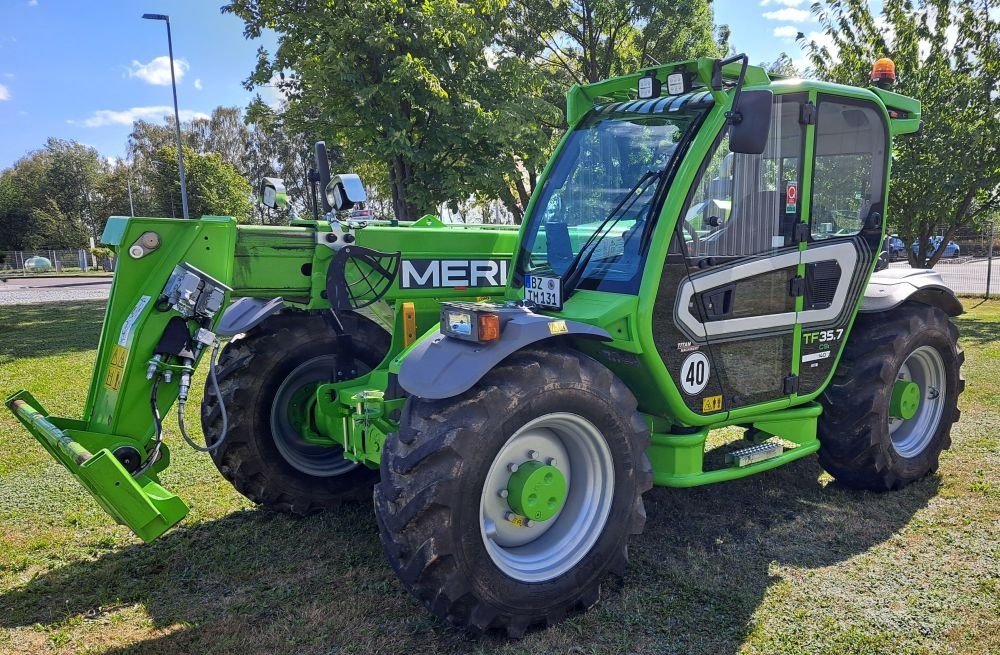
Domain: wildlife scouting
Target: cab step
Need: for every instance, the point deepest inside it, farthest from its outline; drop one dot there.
(753, 454)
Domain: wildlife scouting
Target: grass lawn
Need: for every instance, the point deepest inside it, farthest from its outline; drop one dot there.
(784, 562)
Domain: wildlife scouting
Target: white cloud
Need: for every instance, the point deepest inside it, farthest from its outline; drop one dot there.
(4, 93)
(823, 40)
(103, 117)
(788, 15)
(197, 83)
(787, 3)
(157, 71)
(32, 3)
(786, 32)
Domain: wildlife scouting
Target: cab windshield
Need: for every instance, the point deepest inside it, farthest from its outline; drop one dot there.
(605, 159)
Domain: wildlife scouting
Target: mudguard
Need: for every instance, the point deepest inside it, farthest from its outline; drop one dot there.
(891, 288)
(442, 367)
(245, 314)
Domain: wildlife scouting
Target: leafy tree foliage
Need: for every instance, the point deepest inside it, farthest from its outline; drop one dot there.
(947, 55)
(406, 84)
(213, 185)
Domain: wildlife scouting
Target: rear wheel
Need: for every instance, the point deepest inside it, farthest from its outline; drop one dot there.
(267, 379)
(888, 412)
(503, 508)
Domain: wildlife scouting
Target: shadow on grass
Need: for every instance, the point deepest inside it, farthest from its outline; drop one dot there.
(50, 328)
(259, 582)
(977, 331)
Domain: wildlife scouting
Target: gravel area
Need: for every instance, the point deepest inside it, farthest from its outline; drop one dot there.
(30, 292)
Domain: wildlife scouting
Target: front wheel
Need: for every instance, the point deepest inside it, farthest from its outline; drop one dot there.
(268, 378)
(504, 507)
(888, 412)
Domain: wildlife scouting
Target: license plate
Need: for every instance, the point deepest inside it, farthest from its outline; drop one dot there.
(543, 291)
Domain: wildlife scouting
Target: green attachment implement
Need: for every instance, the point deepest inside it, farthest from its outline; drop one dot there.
(536, 491)
(139, 503)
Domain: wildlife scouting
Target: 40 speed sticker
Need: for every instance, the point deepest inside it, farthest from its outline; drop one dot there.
(694, 373)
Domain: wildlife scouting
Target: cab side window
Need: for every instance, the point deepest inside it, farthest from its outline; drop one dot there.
(849, 170)
(741, 204)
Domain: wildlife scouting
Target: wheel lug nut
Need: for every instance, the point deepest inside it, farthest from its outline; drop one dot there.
(512, 468)
(552, 461)
(528, 523)
(504, 493)
(532, 454)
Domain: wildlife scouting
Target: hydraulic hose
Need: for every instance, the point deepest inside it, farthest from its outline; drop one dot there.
(158, 433)
(214, 381)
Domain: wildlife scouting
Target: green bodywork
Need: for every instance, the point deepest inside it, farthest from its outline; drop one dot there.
(254, 261)
(358, 415)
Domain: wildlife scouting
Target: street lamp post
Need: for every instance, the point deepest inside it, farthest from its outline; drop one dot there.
(177, 117)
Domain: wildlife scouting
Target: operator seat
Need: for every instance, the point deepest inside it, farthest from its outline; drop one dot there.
(749, 229)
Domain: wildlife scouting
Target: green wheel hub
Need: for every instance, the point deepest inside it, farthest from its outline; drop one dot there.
(536, 491)
(905, 400)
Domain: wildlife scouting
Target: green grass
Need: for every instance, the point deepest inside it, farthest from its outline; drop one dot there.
(784, 562)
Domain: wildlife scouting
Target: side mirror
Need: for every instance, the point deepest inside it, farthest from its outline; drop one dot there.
(272, 192)
(751, 122)
(345, 191)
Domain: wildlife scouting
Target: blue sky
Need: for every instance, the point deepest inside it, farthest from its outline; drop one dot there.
(84, 70)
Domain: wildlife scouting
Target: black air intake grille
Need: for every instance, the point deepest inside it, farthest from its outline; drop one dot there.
(821, 284)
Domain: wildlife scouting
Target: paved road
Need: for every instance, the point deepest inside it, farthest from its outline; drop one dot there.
(29, 291)
(967, 277)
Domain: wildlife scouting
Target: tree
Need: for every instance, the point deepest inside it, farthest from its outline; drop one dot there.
(947, 55)
(783, 66)
(417, 92)
(591, 40)
(214, 187)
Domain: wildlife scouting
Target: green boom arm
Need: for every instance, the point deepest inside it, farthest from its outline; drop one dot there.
(108, 449)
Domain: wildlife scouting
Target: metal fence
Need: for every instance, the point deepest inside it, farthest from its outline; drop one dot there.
(972, 271)
(48, 261)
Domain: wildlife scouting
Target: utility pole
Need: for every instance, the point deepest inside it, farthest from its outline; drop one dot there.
(989, 259)
(177, 117)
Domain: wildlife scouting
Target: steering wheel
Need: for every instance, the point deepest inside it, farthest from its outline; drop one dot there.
(695, 239)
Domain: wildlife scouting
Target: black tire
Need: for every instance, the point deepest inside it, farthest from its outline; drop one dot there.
(856, 443)
(251, 371)
(428, 501)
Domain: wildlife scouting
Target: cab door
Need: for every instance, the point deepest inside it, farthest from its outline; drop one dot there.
(725, 316)
(850, 165)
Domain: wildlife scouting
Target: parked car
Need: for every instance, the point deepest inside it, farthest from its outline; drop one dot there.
(951, 250)
(895, 247)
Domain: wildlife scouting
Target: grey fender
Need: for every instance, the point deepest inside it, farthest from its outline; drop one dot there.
(245, 314)
(890, 288)
(442, 367)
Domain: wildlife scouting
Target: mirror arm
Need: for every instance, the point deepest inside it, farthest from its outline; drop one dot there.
(734, 117)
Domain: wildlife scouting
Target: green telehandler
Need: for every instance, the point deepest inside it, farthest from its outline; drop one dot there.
(700, 253)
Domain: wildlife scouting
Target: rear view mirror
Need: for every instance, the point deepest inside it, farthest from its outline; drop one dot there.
(272, 192)
(751, 122)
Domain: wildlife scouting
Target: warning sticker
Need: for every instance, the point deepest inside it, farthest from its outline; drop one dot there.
(711, 404)
(116, 367)
(791, 197)
(126, 334)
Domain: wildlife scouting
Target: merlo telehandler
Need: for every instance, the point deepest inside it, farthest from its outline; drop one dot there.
(699, 253)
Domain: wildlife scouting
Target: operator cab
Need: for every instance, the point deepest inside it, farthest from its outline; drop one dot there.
(750, 244)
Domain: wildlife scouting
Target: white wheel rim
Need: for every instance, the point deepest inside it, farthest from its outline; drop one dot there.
(924, 367)
(547, 549)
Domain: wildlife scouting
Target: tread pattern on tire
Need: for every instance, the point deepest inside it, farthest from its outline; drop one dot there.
(856, 399)
(265, 478)
(426, 464)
